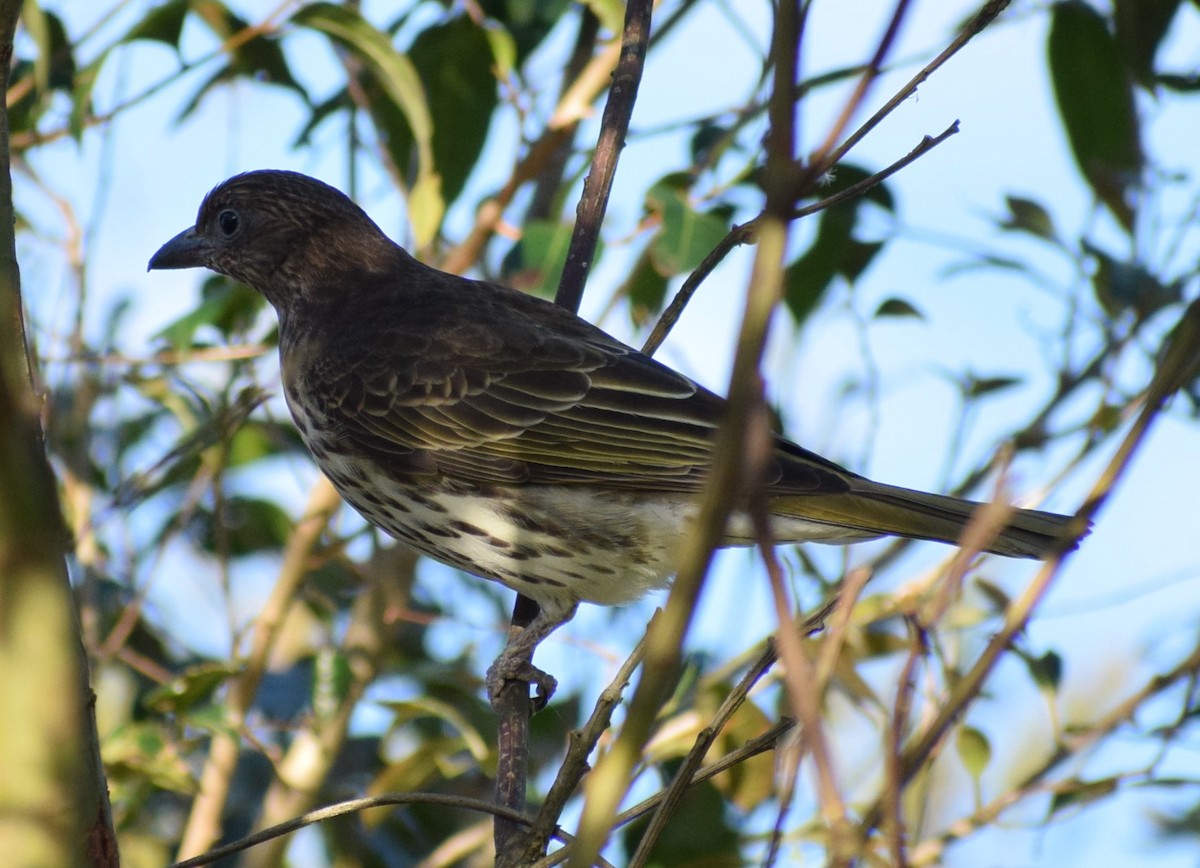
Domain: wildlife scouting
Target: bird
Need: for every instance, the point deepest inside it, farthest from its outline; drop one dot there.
(506, 436)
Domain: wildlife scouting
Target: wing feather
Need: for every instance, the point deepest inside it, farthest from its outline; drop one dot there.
(535, 396)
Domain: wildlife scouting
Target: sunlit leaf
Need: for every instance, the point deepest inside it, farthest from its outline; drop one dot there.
(399, 79)
(610, 12)
(331, 681)
(974, 750)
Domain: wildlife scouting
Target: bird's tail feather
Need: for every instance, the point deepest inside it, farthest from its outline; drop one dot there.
(873, 509)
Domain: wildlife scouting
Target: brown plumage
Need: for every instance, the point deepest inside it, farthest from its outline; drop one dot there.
(502, 434)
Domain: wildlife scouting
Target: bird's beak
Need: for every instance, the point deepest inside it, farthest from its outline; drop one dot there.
(188, 249)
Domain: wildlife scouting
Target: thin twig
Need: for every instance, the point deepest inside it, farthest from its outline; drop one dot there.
(746, 233)
(614, 127)
(352, 806)
(1177, 367)
(513, 706)
(985, 16)
(685, 775)
(580, 745)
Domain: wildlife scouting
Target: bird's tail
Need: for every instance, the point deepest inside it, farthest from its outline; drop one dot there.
(870, 509)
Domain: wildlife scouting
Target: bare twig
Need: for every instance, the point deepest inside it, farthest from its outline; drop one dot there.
(685, 776)
(1178, 366)
(985, 16)
(513, 706)
(613, 128)
(607, 785)
(580, 745)
(350, 807)
(746, 233)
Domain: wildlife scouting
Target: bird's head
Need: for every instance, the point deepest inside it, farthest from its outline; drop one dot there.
(285, 234)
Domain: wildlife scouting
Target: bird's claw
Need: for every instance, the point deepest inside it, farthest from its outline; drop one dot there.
(506, 669)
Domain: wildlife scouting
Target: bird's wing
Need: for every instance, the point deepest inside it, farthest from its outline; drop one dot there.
(522, 401)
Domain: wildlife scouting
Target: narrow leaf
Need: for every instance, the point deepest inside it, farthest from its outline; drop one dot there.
(1095, 100)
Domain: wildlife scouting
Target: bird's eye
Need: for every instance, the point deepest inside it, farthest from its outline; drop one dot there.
(228, 221)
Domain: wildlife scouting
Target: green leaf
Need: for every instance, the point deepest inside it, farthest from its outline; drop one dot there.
(398, 78)
(1121, 286)
(535, 263)
(1046, 670)
(700, 832)
(257, 440)
(455, 61)
(1079, 793)
(259, 59)
(528, 22)
(406, 711)
(974, 750)
(646, 287)
(332, 678)
(977, 387)
(246, 526)
(205, 426)
(504, 49)
(1095, 101)
(81, 98)
(897, 307)
(163, 23)
(610, 12)
(143, 752)
(1141, 26)
(193, 686)
(685, 235)
(834, 252)
(1026, 215)
(227, 306)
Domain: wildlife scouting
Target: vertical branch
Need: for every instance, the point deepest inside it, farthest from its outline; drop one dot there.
(513, 705)
(52, 789)
(608, 784)
(613, 128)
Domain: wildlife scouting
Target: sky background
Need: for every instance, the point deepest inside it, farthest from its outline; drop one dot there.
(1126, 602)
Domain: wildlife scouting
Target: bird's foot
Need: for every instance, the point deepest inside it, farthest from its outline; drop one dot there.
(508, 668)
